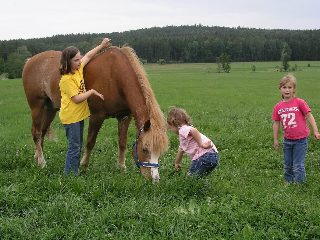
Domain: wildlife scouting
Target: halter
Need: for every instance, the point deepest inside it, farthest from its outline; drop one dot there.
(135, 144)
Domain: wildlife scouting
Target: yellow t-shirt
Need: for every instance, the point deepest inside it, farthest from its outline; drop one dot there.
(71, 85)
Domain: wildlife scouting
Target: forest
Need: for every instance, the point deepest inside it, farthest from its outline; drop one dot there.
(192, 44)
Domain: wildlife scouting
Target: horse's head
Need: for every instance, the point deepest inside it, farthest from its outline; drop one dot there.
(146, 159)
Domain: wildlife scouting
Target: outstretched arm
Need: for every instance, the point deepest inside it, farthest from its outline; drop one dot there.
(276, 127)
(83, 96)
(312, 122)
(89, 55)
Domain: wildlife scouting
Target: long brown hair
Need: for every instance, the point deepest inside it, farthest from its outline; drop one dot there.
(65, 60)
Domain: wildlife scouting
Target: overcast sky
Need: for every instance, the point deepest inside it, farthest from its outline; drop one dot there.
(42, 18)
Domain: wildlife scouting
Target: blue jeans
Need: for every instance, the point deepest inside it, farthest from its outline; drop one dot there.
(74, 133)
(294, 154)
(204, 164)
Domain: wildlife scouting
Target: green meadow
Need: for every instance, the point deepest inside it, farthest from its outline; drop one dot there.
(243, 198)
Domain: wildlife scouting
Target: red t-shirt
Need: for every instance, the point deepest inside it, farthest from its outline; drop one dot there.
(292, 117)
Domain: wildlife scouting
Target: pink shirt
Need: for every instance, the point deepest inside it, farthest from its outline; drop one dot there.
(190, 146)
(292, 117)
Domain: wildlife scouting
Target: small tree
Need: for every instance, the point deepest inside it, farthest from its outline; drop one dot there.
(223, 63)
(253, 67)
(4, 76)
(285, 56)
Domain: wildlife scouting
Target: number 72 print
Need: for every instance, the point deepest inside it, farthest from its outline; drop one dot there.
(290, 116)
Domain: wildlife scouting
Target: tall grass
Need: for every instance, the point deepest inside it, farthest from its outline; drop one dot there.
(244, 198)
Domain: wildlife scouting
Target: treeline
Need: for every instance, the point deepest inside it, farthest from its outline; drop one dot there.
(195, 43)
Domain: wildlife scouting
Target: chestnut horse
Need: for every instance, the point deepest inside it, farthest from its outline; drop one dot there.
(118, 75)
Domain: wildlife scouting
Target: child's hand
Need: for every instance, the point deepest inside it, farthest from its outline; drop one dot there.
(105, 42)
(207, 145)
(98, 94)
(316, 135)
(177, 167)
(276, 145)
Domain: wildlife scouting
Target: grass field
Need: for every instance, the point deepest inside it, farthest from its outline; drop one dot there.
(244, 198)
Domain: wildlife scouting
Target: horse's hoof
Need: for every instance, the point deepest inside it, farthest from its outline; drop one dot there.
(42, 164)
(84, 167)
(84, 163)
(123, 167)
(155, 180)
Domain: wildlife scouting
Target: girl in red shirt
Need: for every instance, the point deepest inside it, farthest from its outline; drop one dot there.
(292, 112)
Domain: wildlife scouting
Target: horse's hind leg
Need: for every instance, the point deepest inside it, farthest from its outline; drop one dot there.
(95, 123)
(42, 116)
(123, 125)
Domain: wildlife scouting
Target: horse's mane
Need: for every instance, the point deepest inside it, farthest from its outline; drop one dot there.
(156, 138)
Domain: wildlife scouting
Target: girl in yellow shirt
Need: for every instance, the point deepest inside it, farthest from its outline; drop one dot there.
(74, 107)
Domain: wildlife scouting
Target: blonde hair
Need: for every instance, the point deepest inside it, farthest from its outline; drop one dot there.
(177, 117)
(289, 79)
(156, 138)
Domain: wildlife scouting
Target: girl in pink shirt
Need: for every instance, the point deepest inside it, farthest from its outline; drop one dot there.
(292, 112)
(197, 146)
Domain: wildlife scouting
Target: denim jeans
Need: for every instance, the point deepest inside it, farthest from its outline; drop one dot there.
(294, 154)
(204, 164)
(74, 133)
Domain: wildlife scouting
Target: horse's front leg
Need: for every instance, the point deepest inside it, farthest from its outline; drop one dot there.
(123, 125)
(95, 123)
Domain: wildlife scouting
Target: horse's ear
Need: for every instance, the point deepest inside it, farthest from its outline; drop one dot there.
(147, 125)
